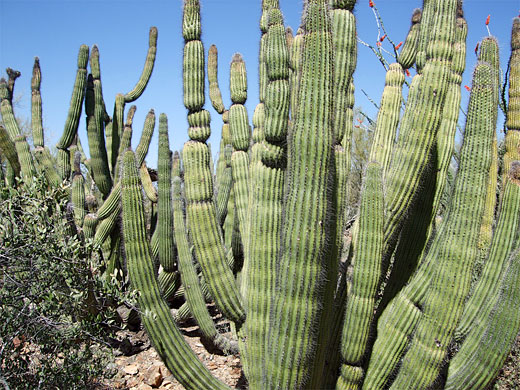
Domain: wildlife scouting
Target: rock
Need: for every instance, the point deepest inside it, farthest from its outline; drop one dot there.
(132, 382)
(153, 376)
(131, 369)
(144, 386)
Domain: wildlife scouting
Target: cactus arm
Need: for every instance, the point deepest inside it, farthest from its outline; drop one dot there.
(167, 255)
(116, 133)
(214, 91)
(165, 336)
(224, 181)
(362, 295)
(388, 117)
(146, 136)
(513, 111)
(480, 358)
(78, 198)
(36, 105)
(419, 226)
(137, 91)
(407, 56)
(8, 150)
(76, 101)
(63, 163)
(194, 295)
(94, 108)
(422, 362)
(111, 203)
(148, 187)
(45, 160)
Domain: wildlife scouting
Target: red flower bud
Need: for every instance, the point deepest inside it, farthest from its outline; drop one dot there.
(487, 19)
(467, 88)
(398, 45)
(407, 72)
(382, 38)
(370, 3)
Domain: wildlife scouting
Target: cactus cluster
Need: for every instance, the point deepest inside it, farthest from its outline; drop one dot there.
(413, 299)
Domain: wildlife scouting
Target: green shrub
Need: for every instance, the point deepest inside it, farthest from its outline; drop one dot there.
(54, 323)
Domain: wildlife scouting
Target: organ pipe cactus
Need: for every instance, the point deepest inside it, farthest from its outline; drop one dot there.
(395, 306)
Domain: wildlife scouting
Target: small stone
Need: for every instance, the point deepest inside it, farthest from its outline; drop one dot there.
(132, 382)
(131, 369)
(144, 386)
(154, 377)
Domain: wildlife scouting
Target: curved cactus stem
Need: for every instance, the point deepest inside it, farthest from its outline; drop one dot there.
(485, 350)
(146, 136)
(458, 242)
(76, 102)
(214, 91)
(139, 88)
(148, 187)
(419, 226)
(407, 56)
(165, 336)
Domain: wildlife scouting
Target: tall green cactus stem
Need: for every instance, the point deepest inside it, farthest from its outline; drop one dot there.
(167, 255)
(8, 150)
(156, 317)
(362, 294)
(214, 91)
(201, 218)
(95, 110)
(36, 105)
(407, 56)
(451, 281)
(25, 157)
(296, 64)
(63, 165)
(489, 53)
(146, 136)
(46, 162)
(266, 194)
(238, 80)
(138, 90)
(302, 271)
(76, 101)
(240, 140)
(425, 26)
(513, 111)
(507, 229)
(89, 226)
(78, 198)
(200, 209)
(421, 120)
(388, 117)
(262, 66)
(118, 122)
(224, 181)
(419, 226)
(194, 295)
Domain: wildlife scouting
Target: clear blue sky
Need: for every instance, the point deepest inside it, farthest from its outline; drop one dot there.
(53, 30)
